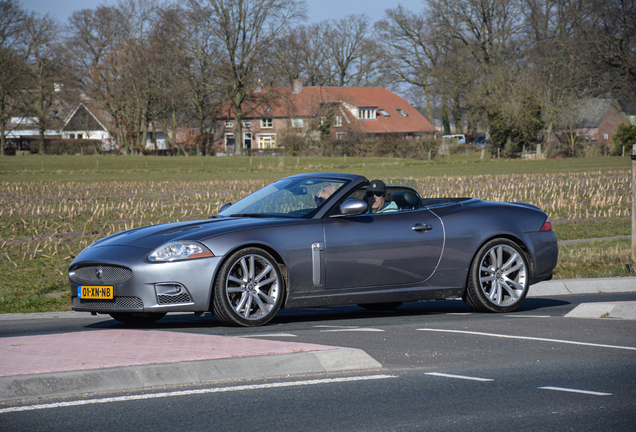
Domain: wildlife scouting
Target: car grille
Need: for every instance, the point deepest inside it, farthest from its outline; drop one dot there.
(108, 274)
(164, 299)
(116, 303)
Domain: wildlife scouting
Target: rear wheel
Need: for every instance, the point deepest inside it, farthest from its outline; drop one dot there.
(137, 318)
(380, 306)
(248, 290)
(499, 277)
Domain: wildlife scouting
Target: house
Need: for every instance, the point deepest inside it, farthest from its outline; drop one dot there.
(335, 112)
(86, 124)
(597, 119)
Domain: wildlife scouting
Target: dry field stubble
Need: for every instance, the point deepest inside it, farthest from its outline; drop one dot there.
(44, 225)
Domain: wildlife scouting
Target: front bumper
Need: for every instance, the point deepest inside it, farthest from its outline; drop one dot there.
(140, 285)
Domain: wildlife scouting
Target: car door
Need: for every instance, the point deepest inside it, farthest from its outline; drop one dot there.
(375, 250)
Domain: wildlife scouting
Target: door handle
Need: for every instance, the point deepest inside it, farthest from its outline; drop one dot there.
(420, 227)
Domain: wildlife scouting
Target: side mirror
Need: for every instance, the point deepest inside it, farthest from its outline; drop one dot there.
(224, 207)
(352, 207)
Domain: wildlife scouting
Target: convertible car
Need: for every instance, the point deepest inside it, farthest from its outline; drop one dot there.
(312, 240)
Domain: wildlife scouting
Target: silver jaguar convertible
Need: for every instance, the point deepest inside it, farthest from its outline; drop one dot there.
(315, 240)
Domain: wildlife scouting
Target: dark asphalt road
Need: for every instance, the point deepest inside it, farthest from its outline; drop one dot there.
(556, 374)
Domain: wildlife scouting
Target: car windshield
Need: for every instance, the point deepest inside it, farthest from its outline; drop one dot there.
(289, 197)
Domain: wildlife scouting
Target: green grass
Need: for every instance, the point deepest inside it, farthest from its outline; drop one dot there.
(594, 228)
(51, 207)
(593, 260)
(199, 168)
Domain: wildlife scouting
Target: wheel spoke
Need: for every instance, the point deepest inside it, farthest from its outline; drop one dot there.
(241, 302)
(248, 306)
(499, 254)
(263, 274)
(510, 262)
(514, 269)
(268, 281)
(245, 271)
(236, 280)
(515, 285)
(265, 297)
(509, 290)
(487, 270)
(252, 265)
(260, 305)
(234, 290)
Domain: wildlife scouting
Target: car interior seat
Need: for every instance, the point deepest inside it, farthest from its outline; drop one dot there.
(406, 200)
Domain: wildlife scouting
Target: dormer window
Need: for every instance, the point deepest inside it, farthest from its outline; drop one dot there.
(402, 113)
(366, 114)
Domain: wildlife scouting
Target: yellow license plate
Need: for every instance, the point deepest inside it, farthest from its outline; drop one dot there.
(95, 292)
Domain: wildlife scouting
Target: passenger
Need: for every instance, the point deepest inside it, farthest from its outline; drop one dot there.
(377, 198)
(323, 194)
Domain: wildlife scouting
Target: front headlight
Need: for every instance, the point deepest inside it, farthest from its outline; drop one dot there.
(179, 250)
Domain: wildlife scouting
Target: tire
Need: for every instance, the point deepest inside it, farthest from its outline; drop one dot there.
(380, 306)
(137, 318)
(499, 277)
(249, 289)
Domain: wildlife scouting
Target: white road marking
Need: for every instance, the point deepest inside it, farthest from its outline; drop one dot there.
(267, 335)
(528, 316)
(330, 326)
(459, 377)
(459, 313)
(195, 392)
(530, 338)
(576, 391)
(352, 330)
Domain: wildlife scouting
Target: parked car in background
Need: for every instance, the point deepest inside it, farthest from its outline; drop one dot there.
(461, 138)
(480, 141)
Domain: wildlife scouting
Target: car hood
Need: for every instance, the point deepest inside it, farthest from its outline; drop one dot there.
(154, 236)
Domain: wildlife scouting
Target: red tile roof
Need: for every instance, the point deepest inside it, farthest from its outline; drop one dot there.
(283, 103)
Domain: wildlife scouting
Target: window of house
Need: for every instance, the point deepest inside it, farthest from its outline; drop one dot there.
(402, 113)
(71, 136)
(229, 139)
(605, 137)
(366, 114)
(323, 120)
(384, 113)
(337, 121)
(266, 141)
(247, 140)
(267, 123)
(229, 125)
(297, 122)
(80, 136)
(341, 135)
(247, 124)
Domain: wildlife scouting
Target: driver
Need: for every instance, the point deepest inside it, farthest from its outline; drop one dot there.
(377, 198)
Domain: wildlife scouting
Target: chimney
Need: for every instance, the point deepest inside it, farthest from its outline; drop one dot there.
(298, 86)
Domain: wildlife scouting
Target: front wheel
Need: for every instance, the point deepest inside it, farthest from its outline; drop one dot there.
(248, 290)
(499, 277)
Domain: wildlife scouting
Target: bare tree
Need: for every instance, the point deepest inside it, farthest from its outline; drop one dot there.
(244, 31)
(46, 81)
(12, 58)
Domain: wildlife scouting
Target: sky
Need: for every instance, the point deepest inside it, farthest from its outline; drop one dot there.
(318, 10)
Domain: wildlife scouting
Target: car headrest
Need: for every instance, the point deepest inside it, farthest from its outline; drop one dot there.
(406, 200)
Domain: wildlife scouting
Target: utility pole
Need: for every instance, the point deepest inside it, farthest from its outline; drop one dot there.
(633, 266)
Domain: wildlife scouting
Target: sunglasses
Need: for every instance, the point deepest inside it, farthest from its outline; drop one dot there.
(378, 194)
